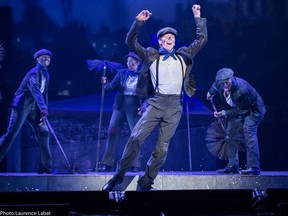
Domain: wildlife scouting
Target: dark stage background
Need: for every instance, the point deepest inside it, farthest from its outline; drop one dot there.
(249, 36)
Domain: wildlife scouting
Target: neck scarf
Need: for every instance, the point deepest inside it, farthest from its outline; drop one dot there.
(166, 54)
(133, 73)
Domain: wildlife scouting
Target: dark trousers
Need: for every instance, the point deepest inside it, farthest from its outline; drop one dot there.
(16, 121)
(250, 129)
(128, 112)
(165, 111)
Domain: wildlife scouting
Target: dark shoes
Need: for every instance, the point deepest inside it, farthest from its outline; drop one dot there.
(234, 170)
(111, 183)
(146, 188)
(229, 170)
(104, 168)
(44, 171)
(251, 171)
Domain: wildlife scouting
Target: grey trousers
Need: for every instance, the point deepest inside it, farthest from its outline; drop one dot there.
(165, 111)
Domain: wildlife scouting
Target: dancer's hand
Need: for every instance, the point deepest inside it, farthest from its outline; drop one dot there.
(104, 80)
(143, 15)
(218, 114)
(43, 112)
(142, 108)
(209, 96)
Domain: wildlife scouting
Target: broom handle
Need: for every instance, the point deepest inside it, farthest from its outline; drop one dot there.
(215, 110)
(213, 105)
(100, 120)
(58, 143)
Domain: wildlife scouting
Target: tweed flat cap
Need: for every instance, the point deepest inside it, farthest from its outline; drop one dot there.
(42, 52)
(133, 55)
(166, 30)
(224, 74)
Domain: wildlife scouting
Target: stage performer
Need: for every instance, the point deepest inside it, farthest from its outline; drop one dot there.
(126, 107)
(240, 100)
(30, 103)
(167, 70)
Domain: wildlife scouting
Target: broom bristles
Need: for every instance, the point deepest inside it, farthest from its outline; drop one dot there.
(218, 138)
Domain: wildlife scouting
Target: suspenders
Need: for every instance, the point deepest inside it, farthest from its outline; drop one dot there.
(157, 71)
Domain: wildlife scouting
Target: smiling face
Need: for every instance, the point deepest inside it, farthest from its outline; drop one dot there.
(167, 41)
(226, 85)
(44, 60)
(132, 64)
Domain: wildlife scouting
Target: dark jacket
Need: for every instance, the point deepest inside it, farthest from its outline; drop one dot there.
(243, 95)
(149, 55)
(118, 83)
(29, 90)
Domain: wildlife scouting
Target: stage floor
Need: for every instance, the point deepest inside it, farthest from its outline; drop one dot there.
(178, 193)
(93, 181)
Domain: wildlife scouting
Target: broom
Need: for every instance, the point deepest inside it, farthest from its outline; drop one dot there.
(223, 131)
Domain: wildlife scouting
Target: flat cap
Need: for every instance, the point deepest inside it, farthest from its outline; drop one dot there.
(166, 30)
(133, 55)
(224, 74)
(42, 52)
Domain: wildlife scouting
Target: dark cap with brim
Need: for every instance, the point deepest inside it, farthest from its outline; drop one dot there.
(224, 74)
(166, 30)
(42, 52)
(133, 55)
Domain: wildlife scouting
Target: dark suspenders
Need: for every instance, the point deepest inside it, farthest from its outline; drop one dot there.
(157, 74)
(157, 71)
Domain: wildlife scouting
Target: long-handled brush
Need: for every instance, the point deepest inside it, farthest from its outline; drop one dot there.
(223, 131)
(59, 145)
